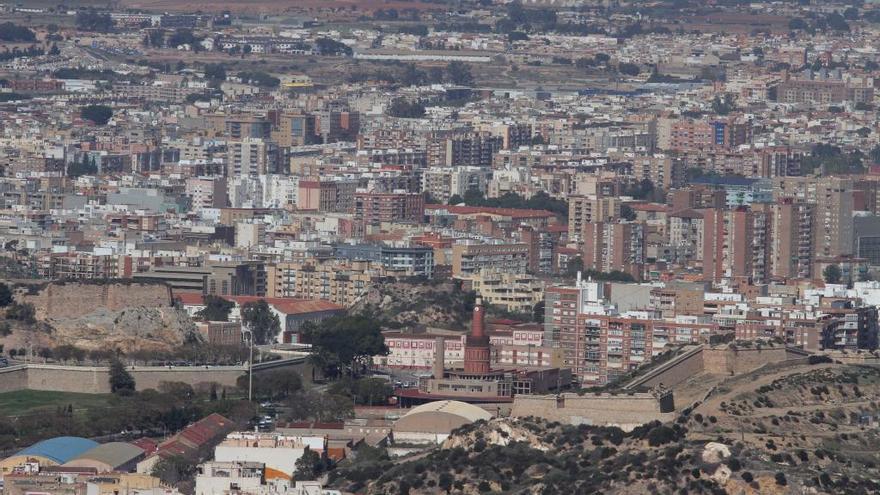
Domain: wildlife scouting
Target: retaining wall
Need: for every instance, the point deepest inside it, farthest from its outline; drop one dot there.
(622, 410)
(96, 380)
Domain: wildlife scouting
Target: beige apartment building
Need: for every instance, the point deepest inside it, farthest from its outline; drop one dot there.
(583, 210)
(515, 292)
(339, 281)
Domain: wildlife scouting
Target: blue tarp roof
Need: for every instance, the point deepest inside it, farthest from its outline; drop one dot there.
(60, 449)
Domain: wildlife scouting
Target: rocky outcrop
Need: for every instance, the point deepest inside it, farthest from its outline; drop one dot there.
(113, 315)
(130, 329)
(442, 304)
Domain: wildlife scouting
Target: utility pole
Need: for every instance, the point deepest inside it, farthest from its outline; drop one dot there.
(250, 365)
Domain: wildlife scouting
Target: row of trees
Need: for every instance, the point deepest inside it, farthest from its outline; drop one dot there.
(159, 38)
(403, 108)
(99, 114)
(92, 20)
(16, 52)
(13, 33)
(456, 72)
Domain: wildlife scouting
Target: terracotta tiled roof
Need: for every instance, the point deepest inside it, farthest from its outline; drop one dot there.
(286, 305)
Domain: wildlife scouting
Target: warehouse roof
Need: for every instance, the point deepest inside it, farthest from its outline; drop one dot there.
(59, 449)
(113, 454)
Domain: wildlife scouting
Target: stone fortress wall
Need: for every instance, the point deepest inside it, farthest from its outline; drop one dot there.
(75, 299)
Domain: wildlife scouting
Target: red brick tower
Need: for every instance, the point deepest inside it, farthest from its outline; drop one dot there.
(476, 351)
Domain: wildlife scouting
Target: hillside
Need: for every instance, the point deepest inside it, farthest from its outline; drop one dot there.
(438, 304)
(787, 428)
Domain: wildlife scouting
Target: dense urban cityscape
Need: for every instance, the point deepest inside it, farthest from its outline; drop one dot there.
(278, 247)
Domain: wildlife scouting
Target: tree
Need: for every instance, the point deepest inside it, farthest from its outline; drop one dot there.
(832, 274)
(54, 51)
(309, 466)
(86, 166)
(182, 36)
(574, 266)
(5, 295)
(22, 312)
(412, 76)
(14, 33)
(216, 309)
(215, 72)
(836, 22)
(327, 46)
(345, 341)
(45, 353)
(90, 20)
(364, 391)
(174, 470)
(259, 319)
(273, 385)
(403, 108)
(723, 105)
(314, 406)
(459, 73)
(629, 69)
(780, 479)
(797, 24)
(181, 391)
(121, 381)
(538, 312)
(99, 114)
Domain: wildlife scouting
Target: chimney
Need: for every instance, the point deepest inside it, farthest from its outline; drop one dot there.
(439, 357)
(478, 320)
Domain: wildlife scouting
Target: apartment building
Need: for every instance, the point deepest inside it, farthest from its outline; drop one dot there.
(515, 292)
(665, 172)
(294, 129)
(396, 260)
(207, 192)
(791, 252)
(833, 201)
(599, 344)
(608, 247)
(337, 196)
(83, 266)
(686, 235)
(583, 210)
(822, 92)
(441, 183)
(340, 281)
(374, 207)
(469, 258)
(252, 156)
(247, 127)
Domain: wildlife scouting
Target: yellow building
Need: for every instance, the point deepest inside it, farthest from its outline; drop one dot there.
(516, 292)
(338, 281)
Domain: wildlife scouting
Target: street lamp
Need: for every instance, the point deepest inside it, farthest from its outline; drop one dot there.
(250, 365)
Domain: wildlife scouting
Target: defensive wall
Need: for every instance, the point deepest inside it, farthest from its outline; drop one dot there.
(729, 361)
(96, 379)
(624, 410)
(74, 299)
